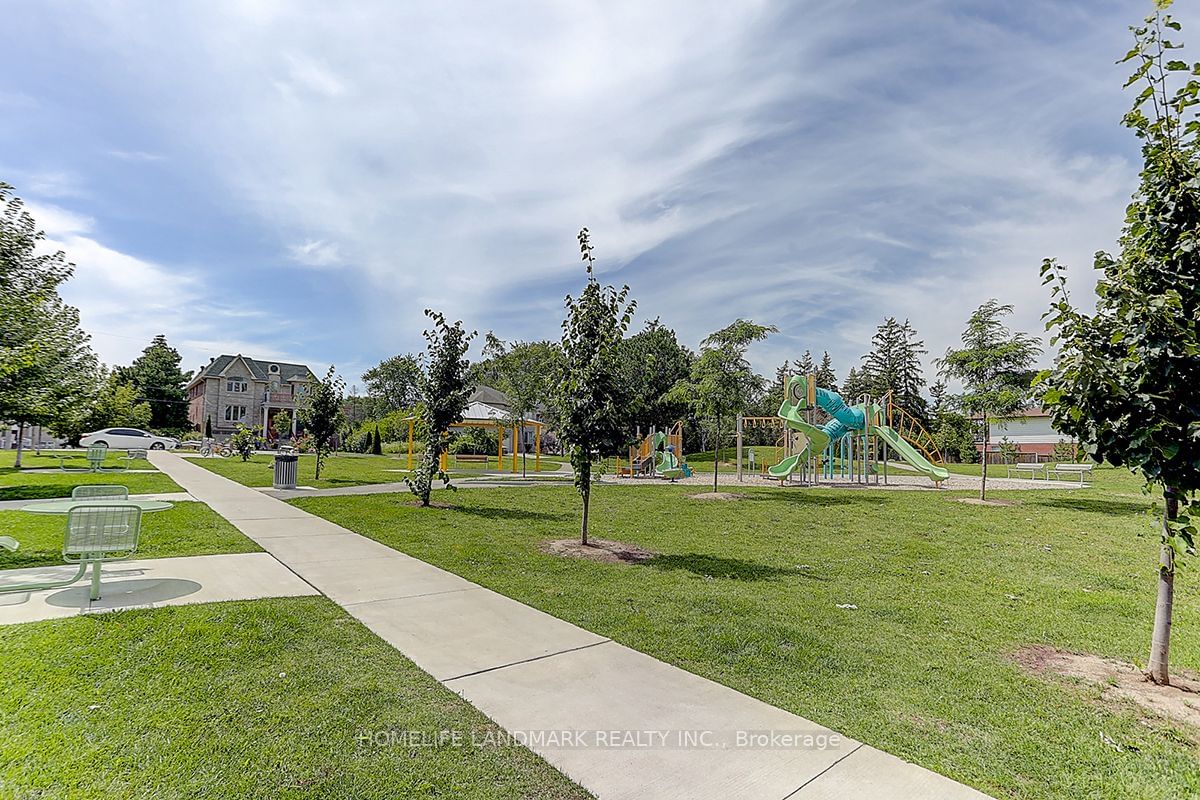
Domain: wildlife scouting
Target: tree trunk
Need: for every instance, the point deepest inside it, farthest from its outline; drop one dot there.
(585, 492)
(1160, 641)
(987, 432)
(716, 451)
(20, 442)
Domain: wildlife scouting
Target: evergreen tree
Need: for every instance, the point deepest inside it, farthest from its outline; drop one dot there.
(826, 377)
(157, 376)
(894, 365)
(805, 365)
(376, 443)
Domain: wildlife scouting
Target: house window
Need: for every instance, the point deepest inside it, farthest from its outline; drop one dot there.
(235, 413)
(236, 384)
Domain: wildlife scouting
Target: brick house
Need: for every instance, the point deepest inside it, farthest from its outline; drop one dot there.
(235, 389)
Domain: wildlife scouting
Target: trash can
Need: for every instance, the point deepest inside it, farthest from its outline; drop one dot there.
(285, 471)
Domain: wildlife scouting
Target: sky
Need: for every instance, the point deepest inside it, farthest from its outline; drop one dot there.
(299, 180)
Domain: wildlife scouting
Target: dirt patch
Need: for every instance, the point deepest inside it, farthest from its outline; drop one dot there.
(1119, 681)
(725, 496)
(603, 550)
(975, 501)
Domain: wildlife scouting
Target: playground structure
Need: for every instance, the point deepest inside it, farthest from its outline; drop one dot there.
(657, 455)
(503, 429)
(851, 446)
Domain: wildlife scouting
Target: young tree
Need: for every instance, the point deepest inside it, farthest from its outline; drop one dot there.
(1124, 383)
(722, 384)
(394, 383)
(282, 425)
(245, 441)
(323, 415)
(157, 375)
(445, 387)
(993, 365)
(376, 443)
(589, 387)
(208, 427)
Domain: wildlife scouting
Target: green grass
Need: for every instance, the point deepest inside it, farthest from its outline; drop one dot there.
(186, 529)
(19, 484)
(74, 459)
(747, 594)
(258, 699)
(338, 470)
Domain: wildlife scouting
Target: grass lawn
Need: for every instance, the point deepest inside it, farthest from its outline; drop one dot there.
(259, 699)
(747, 593)
(49, 459)
(338, 470)
(187, 529)
(20, 484)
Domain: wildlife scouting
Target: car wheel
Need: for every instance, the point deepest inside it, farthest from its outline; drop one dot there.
(158, 446)
(98, 444)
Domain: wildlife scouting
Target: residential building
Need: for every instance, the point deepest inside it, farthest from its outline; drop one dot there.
(235, 389)
(1030, 430)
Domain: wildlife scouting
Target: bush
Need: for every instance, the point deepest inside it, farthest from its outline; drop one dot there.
(477, 441)
(245, 441)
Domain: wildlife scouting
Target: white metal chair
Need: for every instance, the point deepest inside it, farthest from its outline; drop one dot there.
(97, 534)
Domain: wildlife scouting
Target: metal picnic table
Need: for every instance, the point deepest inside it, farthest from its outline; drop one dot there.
(65, 505)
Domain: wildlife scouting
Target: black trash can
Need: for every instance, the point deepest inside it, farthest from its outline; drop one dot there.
(285, 471)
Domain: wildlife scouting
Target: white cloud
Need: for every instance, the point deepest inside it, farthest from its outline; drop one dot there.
(316, 253)
(817, 165)
(135, 155)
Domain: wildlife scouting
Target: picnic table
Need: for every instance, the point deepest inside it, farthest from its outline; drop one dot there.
(65, 505)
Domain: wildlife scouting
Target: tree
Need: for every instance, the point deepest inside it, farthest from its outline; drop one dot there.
(376, 443)
(245, 441)
(993, 365)
(157, 375)
(29, 278)
(282, 424)
(1124, 383)
(589, 386)
(722, 384)
(323, 415)
(857, 384)
(651, 362)
(894, 365)
(208, 427)
(394, 383)
(445, 387)
(805, 364)
(826, 377)
(114, 405)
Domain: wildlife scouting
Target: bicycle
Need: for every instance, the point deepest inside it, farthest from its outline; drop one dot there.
(210, 448)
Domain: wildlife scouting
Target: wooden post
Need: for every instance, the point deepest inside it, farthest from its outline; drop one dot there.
(537, 448)
(514, 448)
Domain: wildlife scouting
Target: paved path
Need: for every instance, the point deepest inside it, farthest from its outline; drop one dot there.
(150, 583)
(534, 673)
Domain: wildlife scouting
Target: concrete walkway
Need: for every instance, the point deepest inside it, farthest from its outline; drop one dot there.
(150, 583)
(620, 723)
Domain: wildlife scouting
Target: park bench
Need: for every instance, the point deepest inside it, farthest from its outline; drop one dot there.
(470, 458)
(1027, 470)
(96, 533)
(1082, 471)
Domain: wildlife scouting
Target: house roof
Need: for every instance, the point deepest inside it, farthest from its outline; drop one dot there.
(259, 370)
(1031, 411)
(489, 396)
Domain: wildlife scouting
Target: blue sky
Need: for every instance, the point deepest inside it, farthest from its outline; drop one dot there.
(299, 180)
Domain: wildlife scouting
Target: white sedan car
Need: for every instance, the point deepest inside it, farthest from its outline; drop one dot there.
(128, 439)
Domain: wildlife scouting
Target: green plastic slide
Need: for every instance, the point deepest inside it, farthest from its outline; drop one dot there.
(817, 439)
(911, 454)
